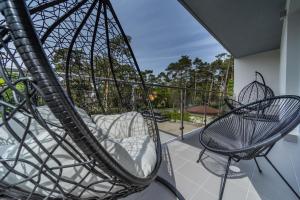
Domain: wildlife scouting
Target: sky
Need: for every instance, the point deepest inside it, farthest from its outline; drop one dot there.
(162, 31)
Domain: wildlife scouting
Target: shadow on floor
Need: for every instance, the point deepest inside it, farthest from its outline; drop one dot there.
(166, 171)
(264, 186)
(156, 190)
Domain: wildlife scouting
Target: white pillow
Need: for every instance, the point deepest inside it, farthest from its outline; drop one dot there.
(117, 151)
(121, 125)
(130, 131)
(142, 150)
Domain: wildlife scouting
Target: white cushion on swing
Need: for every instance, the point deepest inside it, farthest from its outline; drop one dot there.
(142, 150)
(136, 154)
(131, 131)
(29, 166)
(121, 125)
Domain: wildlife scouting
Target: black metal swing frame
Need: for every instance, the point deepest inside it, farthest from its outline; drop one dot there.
(25, 52)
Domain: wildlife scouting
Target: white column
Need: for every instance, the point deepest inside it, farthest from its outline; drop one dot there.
(290, 55)
(290, 50)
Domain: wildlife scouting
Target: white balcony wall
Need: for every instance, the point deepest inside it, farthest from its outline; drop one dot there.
(267, 63)
(290, 50)
(281, 68)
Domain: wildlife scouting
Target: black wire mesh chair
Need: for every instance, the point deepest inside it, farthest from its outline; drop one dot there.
(254, 91)
(69, 127)
(242, 138)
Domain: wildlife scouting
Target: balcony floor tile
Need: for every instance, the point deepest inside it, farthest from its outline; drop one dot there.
(201, 181)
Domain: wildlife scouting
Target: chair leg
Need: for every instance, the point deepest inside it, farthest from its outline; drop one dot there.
(225, 178)
(257, 165)
(201, 154)
(281, 176)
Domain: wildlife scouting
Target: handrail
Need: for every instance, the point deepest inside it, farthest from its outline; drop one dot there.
(140, 83)
(182, 91)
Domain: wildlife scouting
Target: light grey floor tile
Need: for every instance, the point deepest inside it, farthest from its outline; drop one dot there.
(188, 154)
(185, 186)
(202, 181)
(204, 195)
(165, 137)
(177, 161)
(212, 185)
(194, 171)
(176, 146)
(232, 191)
(256, 196)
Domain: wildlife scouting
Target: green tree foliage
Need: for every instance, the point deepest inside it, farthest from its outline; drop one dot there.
(80, 71)
(7, 94)
(198, 77)
(148, 76)
(180, 71)
(2, 82)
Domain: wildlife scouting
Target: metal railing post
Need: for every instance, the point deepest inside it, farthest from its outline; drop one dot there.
(181, 112)
(205, 114)
(205, 109)
(133, 97)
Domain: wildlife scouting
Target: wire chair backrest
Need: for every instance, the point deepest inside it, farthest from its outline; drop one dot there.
(250, 132)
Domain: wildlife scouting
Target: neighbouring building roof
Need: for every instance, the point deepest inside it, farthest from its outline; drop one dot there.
(243, 27)
(202, 110)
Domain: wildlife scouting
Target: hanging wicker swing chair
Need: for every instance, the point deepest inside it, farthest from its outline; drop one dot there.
(69, 126)
(253, 92)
